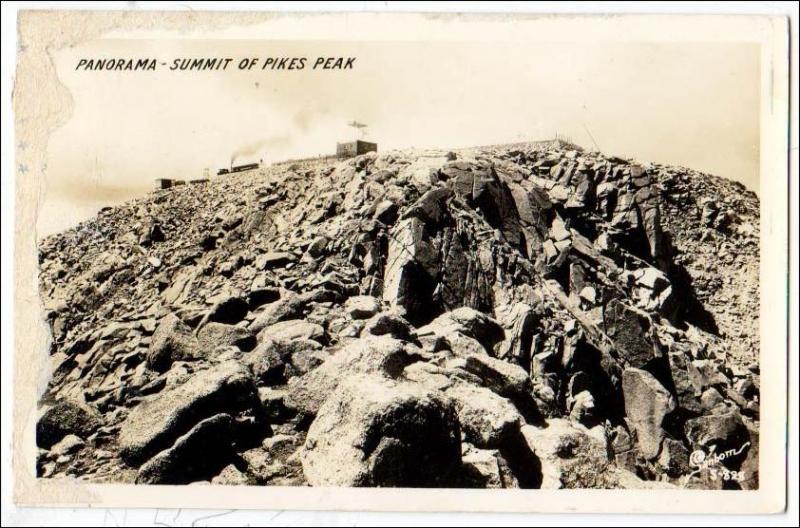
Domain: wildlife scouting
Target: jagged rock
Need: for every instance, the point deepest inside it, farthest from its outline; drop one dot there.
(156, 422)
(172, 341)
(704, 373)
(259, 296)
(430, 208)
(294, 329)
(156, 234)
(647, 403)
(468, 322)
(229, 310)
(404, 277)
(259, 465)
(274, 259)
(589, 294)
(430, 268)
(572, 456)
(231, 476)
(386, 212)
(459, 344)
(289, 306)
(655, 291)
(196, 455)
(745, 388)
(569, 455)
(487, 420)
(282, 457)
(213, 335)
(619, 440)
(724, 431)
(383, 355)
(504, 378)
(307, 359)
(686, 393)
(582, 407)
(388, 323)
(651, 278)
(481, 469)
(317, 248)
(633, 335)
(674, 458)
(281, 446)
(67, 445)
(577, 277)
(709, 213)
(273, 362)
(362, 306)
(518, 322)
(66, 417)
(377, 432)
(711, 400)
(482, 188)
(268, 465)
(559, 231)
(272, 401)
(534, 208)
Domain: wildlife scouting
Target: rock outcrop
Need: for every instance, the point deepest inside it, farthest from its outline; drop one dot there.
(528, 315)
(376, 432)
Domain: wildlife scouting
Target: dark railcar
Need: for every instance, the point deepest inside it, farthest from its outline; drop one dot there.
(240, 168)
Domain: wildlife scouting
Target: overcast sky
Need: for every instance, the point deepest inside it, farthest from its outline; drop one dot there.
(695, 105)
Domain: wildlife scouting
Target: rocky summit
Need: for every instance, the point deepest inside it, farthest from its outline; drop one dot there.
(520, 316)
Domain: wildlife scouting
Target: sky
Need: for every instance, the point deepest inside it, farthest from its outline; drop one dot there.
(694, 105)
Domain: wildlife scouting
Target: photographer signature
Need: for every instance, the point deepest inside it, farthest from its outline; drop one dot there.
(711, 461)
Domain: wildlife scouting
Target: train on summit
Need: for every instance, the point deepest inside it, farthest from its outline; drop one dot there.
(238, 168)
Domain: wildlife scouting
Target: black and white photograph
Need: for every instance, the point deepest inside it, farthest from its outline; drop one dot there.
(269, 253)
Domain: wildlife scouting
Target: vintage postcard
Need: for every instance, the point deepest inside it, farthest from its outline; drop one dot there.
(401, 261)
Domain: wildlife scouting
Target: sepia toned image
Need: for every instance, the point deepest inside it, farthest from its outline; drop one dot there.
(268, 261)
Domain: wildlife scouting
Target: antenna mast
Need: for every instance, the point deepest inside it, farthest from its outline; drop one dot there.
(359, 127)
(591, 137)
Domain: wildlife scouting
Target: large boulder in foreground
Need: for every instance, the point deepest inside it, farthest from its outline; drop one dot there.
(66, 417)
(382, 356)
(378, 432)
(156, 423)
(195, 455)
